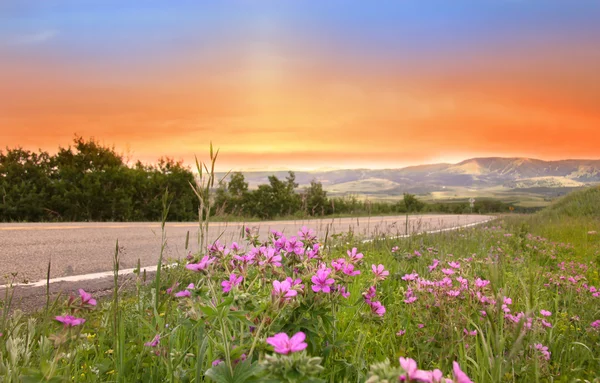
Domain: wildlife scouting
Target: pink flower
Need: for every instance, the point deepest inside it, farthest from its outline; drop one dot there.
(412, 373)
(544, 350)
(448, 271)
(283, 344)
(410, 277)
(434, 265)
(342, 290)
(272, 257)
(183, 293)
(420, 325)
(191, 286)
(471, 333)
(410, 300)
(417, 253)
(394, 249)
(202, 265)
(154, 342)
(69, 320)
(481, 283)
(595, 324)
(545, 313)
(86, 298)
(216, 362)
(459, 375)
(546, 324)
(296, 284)
(370, 294)
(354, 255)
(507, 301)
(322, 281)
(453, 293)
(338, 264)
(377, 308)
(283, 289)
(307, 234)
(233, 281)
(349, 270)
(454, 265)
(380, 272)
(401, 332)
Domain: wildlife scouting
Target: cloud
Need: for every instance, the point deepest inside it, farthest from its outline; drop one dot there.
(33, 38)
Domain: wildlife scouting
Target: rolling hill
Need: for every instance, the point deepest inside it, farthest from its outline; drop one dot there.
(497, 177)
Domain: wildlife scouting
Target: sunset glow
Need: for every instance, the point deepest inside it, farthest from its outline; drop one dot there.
(291, 84)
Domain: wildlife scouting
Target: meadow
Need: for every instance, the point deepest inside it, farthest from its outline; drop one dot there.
(515, 300)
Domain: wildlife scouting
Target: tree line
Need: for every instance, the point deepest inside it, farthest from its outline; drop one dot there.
(91, 182)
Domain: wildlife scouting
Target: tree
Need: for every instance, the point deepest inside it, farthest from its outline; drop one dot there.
(315, 199)
(412, 203)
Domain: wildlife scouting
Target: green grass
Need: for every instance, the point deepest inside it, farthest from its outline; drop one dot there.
(527, 258)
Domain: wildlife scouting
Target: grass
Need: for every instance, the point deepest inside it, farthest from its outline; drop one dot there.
(547, 261)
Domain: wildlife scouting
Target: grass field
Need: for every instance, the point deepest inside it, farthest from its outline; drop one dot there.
(517, 300)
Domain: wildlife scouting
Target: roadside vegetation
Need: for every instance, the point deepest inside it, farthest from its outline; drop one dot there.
(91, 182)
(516, 300)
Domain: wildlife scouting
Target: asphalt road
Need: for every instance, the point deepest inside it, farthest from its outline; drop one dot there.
(83, 248)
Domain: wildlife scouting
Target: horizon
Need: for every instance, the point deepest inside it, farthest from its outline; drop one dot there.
(290, 85)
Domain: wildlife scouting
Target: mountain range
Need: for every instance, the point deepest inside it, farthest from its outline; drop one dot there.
(472, 177)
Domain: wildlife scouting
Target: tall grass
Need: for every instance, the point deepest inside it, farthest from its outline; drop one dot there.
(506, 276)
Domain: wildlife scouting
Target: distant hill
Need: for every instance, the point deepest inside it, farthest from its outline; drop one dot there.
(523, 175)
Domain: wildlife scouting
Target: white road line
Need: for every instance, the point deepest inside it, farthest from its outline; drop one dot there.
(105, 274)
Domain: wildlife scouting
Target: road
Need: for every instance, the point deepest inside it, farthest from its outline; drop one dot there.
(83, 248)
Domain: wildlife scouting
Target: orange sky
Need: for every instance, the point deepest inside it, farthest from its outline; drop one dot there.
(285, 98)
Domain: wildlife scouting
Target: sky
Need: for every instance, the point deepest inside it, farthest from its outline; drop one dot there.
(282, 84)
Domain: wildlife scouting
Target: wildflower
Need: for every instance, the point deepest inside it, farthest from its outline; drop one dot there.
(295, 284)
(545, 313)
(183, 293)
(595, 324)
(322, 281)
(307, 234)
(377, 308)
(69, 320)
(191, 286)
(233, 281)
(394, 249)
(202, 265)
(380, 272)
(417, 253)
(459, 375)
(434, 265)
(86, 298)
(448, 271)
(410, 277)
(342, 290)
(543, 350)
(154, 342)
(471, 333)
(338, 264)
(507, 301)
(349, 270)
(272, 257)
(354, 255)
(370, 294)
(481, 283)
(283, 344)
(420, 325)
(216, 362)
(314, 253)
(283, 289)
(401, 332)
(454, 265)
(412, 372)
(410, 300)
(294, 246)
(546, 324)
(453, 293)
